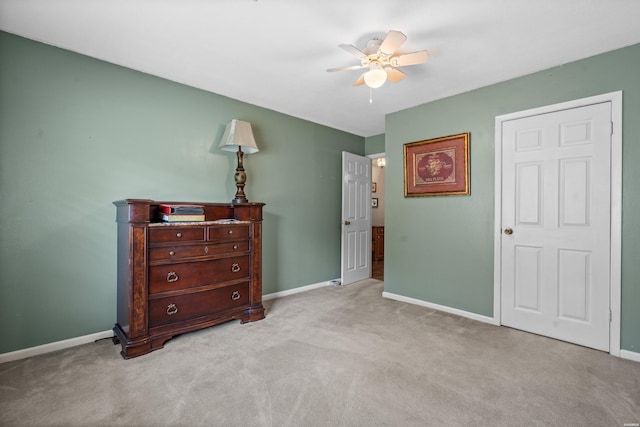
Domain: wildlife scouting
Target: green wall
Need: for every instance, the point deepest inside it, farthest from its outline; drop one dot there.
(374, 144)
(440, 249)
(77, 133)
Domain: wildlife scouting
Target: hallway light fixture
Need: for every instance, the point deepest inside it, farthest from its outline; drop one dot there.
(382, 162)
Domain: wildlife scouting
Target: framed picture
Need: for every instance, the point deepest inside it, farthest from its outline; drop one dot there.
(374, 202)
(437, 167)
(374, 187)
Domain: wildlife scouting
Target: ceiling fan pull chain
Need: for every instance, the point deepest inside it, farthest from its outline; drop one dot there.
(370, 95)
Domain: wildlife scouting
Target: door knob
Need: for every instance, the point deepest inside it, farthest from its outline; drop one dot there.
(508, 231)
(347, 223)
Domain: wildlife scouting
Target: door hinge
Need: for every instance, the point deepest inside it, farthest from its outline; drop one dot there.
(611, 128)
(610, 315)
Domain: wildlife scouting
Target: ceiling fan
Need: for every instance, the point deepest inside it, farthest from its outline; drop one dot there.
(379, 58)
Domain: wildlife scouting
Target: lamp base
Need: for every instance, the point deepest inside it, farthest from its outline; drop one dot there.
(240, 177)
(239, 200)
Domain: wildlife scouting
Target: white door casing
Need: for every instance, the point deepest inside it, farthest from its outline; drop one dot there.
(558, 190)
(356, 218)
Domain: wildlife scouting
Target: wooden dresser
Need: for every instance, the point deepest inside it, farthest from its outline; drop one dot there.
(183, 276)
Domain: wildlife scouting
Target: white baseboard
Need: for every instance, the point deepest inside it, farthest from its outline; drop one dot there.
(630, 355)
(295, 290)
(468, 314)
(624, 354)
(54, 346)
(72, 342)
(85, 339)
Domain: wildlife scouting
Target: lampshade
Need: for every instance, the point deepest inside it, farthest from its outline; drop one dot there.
(238, 134)
(376, 76)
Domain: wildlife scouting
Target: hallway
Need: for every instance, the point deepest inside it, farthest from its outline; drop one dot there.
(377, 270)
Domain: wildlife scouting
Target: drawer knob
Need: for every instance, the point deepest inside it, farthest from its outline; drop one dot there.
(172, 253)
(179, 235)
(235, 295)
(235, 247)
(235, 267)
(206, 249)
(230, 231)
(172, 309)
(172, 277)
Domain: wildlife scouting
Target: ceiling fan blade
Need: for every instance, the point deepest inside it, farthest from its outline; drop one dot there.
(391, 43)
(352, 67)
(353, 50)
(394, 75)
(360, 81)
(413, 58)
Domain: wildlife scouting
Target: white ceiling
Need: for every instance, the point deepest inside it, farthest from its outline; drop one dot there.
(274, 53)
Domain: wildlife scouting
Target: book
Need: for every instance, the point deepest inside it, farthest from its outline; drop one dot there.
(181, 217)
(181, 209)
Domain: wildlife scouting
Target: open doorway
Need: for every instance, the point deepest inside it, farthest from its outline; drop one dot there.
(378, 163)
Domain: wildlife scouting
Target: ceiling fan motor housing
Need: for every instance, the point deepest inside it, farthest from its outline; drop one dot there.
(372, 46)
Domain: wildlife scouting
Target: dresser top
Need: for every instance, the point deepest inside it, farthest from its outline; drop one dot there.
(146, 211)
(216, 222)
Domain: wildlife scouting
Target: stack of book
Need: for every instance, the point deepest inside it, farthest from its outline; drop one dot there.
(181, 213)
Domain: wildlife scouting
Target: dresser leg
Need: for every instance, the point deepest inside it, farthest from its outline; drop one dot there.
(131, 347)
(254, 313)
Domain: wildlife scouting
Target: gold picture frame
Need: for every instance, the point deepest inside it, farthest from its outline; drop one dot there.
(437, 167)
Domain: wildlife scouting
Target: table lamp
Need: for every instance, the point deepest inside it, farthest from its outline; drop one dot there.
(238, 137)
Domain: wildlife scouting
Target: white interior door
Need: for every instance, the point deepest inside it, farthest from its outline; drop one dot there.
(556, 224)
(356, 218)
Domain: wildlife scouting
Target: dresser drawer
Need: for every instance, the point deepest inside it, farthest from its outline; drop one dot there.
(175, 234)
(185, 275)
(190, 306)
(229, 232)
(190, 251)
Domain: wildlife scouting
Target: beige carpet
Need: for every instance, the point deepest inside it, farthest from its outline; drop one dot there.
(335, 356)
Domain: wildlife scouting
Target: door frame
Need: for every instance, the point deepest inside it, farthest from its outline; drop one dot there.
(376, 155)
(616, 205)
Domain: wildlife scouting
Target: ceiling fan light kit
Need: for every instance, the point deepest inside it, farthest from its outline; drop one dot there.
(376, 76)
(378, 57)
